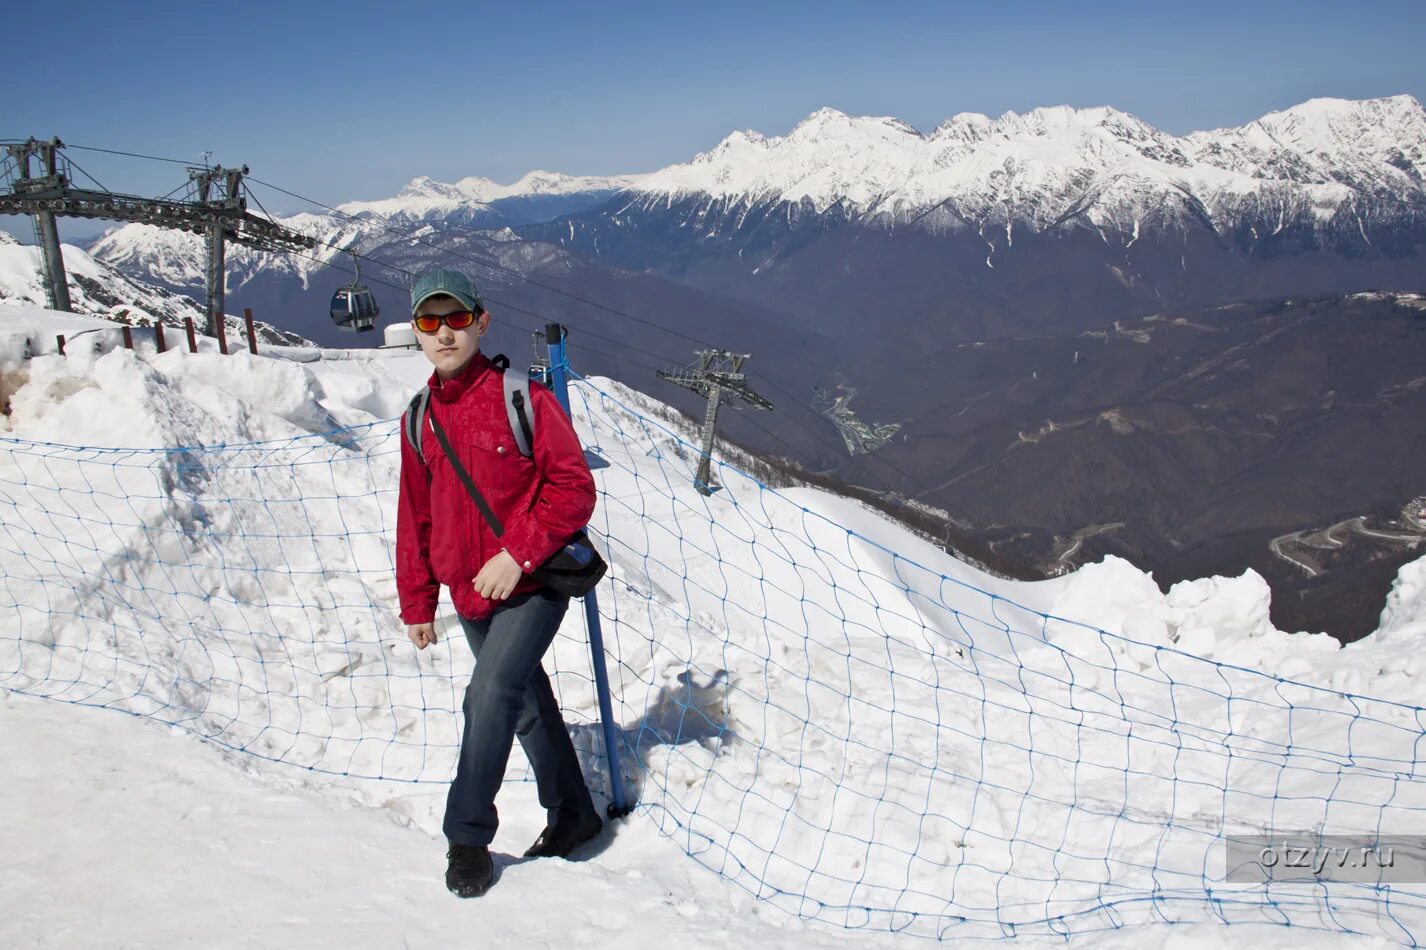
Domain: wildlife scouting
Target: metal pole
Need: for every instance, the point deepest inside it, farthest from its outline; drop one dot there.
(222, 334)
(618, 806)
(702, 481)
(252, 334)
(215, 278)
(56, 284)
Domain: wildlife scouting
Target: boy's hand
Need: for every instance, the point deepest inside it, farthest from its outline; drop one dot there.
(498, 577)
(421, 634)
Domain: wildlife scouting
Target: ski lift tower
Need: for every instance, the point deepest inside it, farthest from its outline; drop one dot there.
(715, 371)
(216, 208)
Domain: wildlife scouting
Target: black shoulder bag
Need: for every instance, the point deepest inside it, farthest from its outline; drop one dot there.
(573, 570)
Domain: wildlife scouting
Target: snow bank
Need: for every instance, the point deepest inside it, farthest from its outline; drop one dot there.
(1217, 618)
(1405, 611)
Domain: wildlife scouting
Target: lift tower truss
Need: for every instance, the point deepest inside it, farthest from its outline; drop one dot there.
(715, 372)
(216, 209)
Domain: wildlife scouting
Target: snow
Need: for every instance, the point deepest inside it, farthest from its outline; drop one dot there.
(1050, 159)
(103, 297)
(425, 197)
(225, 571)
(139, 836)
(1405, 613)
(1219, 618)
(179, 258)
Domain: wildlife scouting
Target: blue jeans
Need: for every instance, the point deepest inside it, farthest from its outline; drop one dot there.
(509, 696)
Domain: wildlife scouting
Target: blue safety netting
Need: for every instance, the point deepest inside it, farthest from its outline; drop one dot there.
(863, 735)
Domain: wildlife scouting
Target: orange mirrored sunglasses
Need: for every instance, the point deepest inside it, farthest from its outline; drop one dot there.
(457, 320)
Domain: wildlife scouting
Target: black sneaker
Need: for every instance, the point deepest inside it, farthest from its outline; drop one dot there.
(562, 837)
(470, 870)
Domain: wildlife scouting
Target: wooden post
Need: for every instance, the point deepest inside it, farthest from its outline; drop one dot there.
(60, 338)
(222, 322)
(252, 335)
(128, 337)
(192, 341)
(158, 337)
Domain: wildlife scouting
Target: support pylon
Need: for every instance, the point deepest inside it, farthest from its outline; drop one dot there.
(46, 231)
(716, 371)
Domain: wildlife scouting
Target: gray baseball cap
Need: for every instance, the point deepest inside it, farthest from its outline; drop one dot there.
(451, 283)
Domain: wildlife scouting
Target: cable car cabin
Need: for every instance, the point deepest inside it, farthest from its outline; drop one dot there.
(354, 309)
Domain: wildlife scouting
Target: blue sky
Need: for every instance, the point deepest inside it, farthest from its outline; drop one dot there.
(342, 101)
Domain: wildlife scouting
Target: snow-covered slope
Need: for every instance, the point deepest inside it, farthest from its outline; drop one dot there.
(98, 289)
(178, 259)
(95, 287)
(836, 717)
(239, 854)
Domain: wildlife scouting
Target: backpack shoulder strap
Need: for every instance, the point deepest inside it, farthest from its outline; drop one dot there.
(517, 410)
(414, 421)
(517, 407)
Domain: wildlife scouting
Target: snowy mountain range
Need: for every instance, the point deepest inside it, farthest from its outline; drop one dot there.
(1350, 175)
(1053, 166)
(536, 196)
(176, 259)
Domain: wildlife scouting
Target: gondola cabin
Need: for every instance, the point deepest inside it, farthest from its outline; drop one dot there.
(354, 308)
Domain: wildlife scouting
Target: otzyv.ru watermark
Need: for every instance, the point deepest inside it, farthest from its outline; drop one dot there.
(1305, 856)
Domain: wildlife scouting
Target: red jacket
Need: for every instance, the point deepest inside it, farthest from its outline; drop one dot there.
(441, 537)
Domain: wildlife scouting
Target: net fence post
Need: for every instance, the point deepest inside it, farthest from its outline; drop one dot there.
(618, 805)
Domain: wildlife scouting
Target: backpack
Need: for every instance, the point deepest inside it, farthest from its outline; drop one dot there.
(517, 397)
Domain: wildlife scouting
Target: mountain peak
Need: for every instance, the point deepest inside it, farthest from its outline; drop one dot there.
(1322, 140)
(1333, 118)
(734, 143)
(967, 126)
(823, 116)
(1402, 105)
(828, 120)
(539, 178)
(1051, 120)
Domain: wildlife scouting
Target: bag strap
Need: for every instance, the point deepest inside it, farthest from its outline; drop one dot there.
(464, 476)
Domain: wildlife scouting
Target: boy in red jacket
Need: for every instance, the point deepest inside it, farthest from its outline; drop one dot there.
(508, 618)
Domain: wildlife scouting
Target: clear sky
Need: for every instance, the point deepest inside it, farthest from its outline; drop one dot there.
(350, 100)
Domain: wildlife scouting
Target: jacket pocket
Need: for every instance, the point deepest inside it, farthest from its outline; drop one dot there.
(497, 467)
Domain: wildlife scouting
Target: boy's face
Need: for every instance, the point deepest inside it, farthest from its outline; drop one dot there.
(449, 350)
